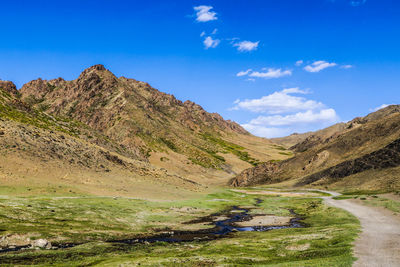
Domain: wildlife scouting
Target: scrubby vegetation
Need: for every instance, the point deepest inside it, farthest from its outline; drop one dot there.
(228, 147)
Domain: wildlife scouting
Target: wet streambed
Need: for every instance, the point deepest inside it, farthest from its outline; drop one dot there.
(222, 228)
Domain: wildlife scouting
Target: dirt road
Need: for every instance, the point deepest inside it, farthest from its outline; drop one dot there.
(379, 242)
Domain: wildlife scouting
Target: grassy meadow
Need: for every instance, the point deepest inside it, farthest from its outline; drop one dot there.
(92, 221)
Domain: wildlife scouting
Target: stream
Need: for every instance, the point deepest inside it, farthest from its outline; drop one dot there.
(222, 228)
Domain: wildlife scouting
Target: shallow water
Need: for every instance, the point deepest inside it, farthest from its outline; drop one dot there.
(222, 228)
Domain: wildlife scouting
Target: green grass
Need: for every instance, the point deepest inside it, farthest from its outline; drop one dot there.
(229, 147)
(327, 238)
(363, 192)
(35, 117)
(374, 200)
(384, 202)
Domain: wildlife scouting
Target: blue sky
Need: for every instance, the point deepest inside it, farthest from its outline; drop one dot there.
(276, 67)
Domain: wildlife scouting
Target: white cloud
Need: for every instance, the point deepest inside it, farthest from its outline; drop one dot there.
(317, 66)
(279, 102)
(278, 125)
(269, 132)
(202, 33)
(243, 73)
(307, 117)
(346, 66)
(266, 74)
(299, 62)
(246, 46)
(205, 14)
(380, 107)
(271, 73)
(209, 42)
(251, 80)
(287, 113)
(214, 31)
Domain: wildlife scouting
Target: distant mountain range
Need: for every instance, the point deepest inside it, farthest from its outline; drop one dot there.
(108, 135)
(363, 153)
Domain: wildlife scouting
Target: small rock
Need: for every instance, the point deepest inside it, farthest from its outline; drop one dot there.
(41, 243)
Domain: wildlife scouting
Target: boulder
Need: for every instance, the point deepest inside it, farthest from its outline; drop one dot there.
(41, 243)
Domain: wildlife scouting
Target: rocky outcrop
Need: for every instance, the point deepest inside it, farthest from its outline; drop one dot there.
(259, 174)
(9, 87)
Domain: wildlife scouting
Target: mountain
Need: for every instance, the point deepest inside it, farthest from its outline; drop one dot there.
(357, 154)
(301, 142)
(102, 133)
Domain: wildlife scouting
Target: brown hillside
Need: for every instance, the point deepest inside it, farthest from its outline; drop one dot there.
(115, 135)
(363, 144)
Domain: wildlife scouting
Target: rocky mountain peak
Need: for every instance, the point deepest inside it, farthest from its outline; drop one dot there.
(9, 87)
(97, 73)
(97, 67)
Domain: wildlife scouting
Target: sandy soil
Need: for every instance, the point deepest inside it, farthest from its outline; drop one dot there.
(265, 220)
(379, 242)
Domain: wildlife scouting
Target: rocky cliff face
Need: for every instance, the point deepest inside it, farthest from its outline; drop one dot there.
(368, 143)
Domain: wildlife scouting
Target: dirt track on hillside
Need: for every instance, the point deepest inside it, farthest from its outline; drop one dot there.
(378, 244)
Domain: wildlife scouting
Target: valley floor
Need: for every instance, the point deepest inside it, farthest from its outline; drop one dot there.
(95, 226)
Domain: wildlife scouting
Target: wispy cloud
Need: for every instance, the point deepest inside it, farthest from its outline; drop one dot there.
(204, 13)
(346, 66)
(243, 73)
(269, 73)
(299, 62)
(317, 66)
(380, 107)
(209, 42)
(246, 46)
